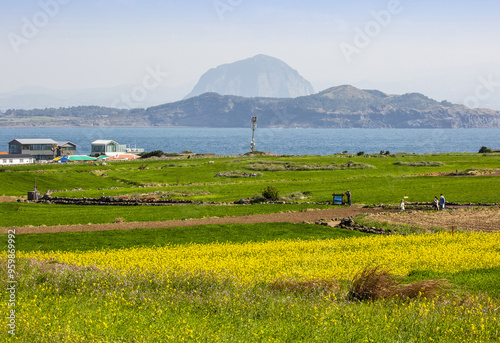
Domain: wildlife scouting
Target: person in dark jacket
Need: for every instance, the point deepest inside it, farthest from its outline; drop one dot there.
(348, 193)
(442, 201)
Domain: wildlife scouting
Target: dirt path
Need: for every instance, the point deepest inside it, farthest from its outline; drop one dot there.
(292, 217)
(485, 219)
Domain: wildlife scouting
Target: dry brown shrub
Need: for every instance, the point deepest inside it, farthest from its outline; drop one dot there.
(119, 220)
(377, 283)
(425, 288)
(371, 283)
(308, 286)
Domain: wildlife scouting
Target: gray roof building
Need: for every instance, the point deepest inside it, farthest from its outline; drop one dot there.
(41, 148)
(33, 141)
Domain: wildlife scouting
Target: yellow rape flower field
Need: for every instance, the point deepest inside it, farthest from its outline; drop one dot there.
(252, 263)
(222, 292)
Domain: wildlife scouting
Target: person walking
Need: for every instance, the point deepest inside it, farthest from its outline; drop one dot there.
(348, 193)
(402, 205)
(435, 204)
(442, 201)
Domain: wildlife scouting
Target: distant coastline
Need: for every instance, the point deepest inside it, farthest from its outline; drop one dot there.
(55, 126)
(337, 107)
(281, 141)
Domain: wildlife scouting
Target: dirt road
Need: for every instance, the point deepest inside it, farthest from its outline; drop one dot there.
(483, 219)
(292, 217)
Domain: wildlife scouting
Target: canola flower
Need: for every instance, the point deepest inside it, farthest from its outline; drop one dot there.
(85, 305)
(250, 263)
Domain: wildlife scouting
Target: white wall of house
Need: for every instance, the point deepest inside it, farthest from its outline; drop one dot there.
(107, 147)
(9, 160)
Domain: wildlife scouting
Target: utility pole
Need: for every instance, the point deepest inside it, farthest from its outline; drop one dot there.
(254, 126)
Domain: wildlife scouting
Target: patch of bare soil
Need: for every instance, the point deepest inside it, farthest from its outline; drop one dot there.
(4, 198)
(486, 219)
(309, 216)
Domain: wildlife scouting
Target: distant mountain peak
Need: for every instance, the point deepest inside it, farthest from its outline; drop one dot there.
(336, 107)
(257, 76)
(349, 92)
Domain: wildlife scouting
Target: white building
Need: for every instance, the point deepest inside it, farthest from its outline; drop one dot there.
(11, 159)
(111, 148)
(106, 147)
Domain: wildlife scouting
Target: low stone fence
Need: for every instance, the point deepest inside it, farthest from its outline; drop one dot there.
(349, 224)
(112, 201)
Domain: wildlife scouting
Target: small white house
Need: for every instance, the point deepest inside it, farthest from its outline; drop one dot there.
(11, 159)
(111, 148)
(107, 147)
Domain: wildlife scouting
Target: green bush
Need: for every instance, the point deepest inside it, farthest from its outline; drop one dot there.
(271, 193)
(484, 150)
(155, 153)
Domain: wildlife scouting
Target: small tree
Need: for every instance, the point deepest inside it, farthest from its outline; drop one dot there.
(484, 150)
(271, 193)
(154, 153)
(361, 153)
(54, 150)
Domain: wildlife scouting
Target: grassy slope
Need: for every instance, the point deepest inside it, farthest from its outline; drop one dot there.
(197, 174)
(384, 189)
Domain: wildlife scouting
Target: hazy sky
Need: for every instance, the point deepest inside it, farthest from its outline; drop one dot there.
(74, 44)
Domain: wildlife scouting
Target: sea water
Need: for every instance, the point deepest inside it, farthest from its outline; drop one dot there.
(234, 141)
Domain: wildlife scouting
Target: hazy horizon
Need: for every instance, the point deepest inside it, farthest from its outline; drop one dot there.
(444, 50)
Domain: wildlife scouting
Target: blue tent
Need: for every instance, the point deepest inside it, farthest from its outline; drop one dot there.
(62, 160)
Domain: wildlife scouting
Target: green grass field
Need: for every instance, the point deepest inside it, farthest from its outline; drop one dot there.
(66, 303)
(233, 233)
(188, 178)
(387, 180)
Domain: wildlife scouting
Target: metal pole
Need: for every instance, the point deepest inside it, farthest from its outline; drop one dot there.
(254, 126)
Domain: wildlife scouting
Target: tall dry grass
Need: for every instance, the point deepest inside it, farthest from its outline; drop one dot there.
(373, 283)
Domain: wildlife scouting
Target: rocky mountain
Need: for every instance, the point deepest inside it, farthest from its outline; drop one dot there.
(259, 76)
(336, 107)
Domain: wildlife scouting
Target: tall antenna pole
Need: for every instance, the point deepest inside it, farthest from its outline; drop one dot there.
(254, 126)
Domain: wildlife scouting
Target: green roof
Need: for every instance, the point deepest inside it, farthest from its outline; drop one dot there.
(81, 158)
